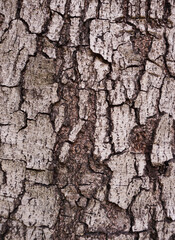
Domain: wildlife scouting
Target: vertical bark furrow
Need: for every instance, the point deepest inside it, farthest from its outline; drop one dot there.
(87, 120)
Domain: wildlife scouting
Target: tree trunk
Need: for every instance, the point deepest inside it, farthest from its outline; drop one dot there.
(87, 102)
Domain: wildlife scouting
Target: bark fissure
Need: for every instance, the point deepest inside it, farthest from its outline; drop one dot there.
(87, 120)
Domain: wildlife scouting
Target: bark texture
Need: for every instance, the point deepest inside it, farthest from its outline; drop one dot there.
(87, 103)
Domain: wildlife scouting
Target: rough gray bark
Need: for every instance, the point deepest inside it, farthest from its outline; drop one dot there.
(87, 92)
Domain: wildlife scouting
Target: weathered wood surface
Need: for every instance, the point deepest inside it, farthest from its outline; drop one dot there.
(87, 111)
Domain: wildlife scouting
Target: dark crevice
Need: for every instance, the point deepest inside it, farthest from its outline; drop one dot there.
(81, 158)
(19, 5)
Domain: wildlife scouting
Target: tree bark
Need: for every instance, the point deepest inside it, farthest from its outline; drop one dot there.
(87, 102)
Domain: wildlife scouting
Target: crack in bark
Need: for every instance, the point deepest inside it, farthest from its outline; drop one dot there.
(102, 67)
